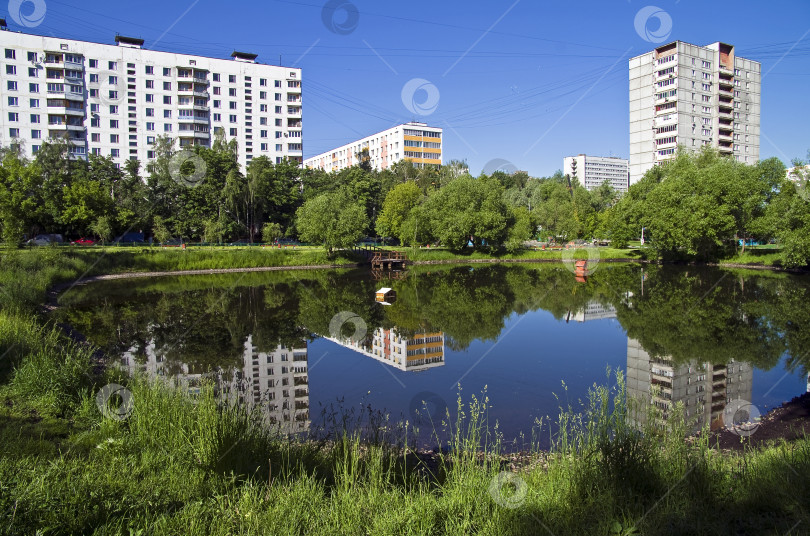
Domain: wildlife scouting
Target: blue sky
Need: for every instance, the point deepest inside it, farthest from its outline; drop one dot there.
(525, 81)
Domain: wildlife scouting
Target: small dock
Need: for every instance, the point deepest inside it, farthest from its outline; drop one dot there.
(388, 260)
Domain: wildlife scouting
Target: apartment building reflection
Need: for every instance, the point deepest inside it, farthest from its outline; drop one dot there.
(420, 351)
(704, 389)
(593, 310)
(274, 381)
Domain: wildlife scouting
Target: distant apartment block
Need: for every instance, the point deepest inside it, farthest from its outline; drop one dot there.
(114, 100)
(593, 171)
(419, 352)
(416, 142)
(704, 389)
(692, 96)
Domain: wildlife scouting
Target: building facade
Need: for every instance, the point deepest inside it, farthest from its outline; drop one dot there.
(692, 96)
(114, 100)
(593, 171)
(413, 141)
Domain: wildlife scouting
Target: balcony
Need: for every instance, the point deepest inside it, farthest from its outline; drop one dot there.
(202, 135)
(75, 112)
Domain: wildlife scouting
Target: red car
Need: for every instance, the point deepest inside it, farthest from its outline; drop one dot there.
(83, 242)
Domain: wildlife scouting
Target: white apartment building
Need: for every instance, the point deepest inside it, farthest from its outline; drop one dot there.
(593, 171)
(114, 100)
(690, 96)
(704, 389)
(594, 310)
(413, 141)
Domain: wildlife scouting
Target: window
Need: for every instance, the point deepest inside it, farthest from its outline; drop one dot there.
(217, 104)
(150, 84)
(115, 153)
(167, 86)
(150, 112)
(10, 55)
(263, 134)
(232, 92)
(33, 103)
(36, 134)
(95, 122)
(95, 137)
(215, 77)
(278, 109)
(167, 71)
(706, 87)
(233, 132)
(149, 69)
(232, 105)
(232, 78)
(150, 97)
(11, 69)
(167, 99)
(217, 90)
(13, 117)
(11, 85)
(14, 132)
(167, 114)
(278, 95)
(113, 109)
(278, 147)
(113, 138)
(263, 121)
(113, 123)
(112, 65)
(13, 101)
(167, 127)
(217, 117)
(263, 147)
(277, 83)
(35, 118)
(150, 126)
(33, 88)
(278, 122)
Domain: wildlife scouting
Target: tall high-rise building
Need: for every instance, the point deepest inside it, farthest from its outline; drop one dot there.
(114, 100)
(593, 171)
(413, 141)
(690, 96)
(421, 351)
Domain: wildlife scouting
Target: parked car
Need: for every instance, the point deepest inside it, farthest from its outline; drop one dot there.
(46, 239)
(130, 238)
(83, 242)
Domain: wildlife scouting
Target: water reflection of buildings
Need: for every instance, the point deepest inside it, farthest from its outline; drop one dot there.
(275, 381)
(704, 389)
(594, 311)
(419, 352)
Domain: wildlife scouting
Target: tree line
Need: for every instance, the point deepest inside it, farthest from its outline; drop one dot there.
(699, 205)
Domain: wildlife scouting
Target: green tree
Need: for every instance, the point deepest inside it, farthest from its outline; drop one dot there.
(102, 228)
(271, 232)
(398, 204)
(336, 220)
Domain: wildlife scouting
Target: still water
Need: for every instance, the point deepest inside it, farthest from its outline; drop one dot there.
(301, 344)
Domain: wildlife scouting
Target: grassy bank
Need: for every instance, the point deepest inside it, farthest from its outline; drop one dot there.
(177, 465)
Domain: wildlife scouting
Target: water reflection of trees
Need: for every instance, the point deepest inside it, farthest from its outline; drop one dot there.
(688, 313)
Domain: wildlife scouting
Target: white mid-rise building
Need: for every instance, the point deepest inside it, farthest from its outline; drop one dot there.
(114, 100)
(421, 351)
(416, 142)
(690, 96)
(593, 171)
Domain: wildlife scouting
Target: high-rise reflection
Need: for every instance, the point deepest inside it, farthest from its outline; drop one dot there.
(705, 389)
(274, 381)
(418, 352)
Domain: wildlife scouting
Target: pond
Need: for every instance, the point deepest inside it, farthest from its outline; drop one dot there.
(304, 345)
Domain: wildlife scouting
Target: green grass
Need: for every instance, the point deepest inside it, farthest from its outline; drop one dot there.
(182, 465)
(442, 254)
